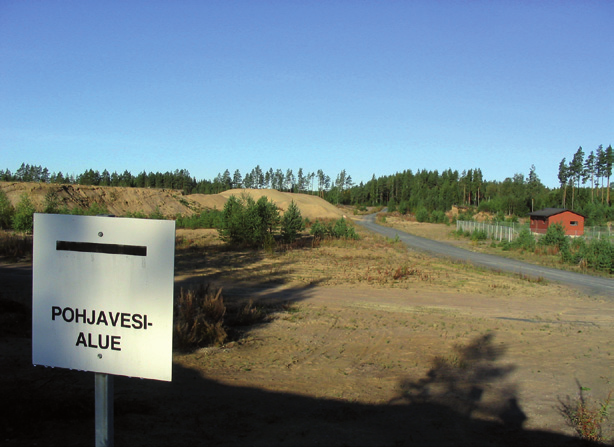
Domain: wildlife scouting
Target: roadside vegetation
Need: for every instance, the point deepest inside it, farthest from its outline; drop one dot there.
(593, 254)
(587, 254)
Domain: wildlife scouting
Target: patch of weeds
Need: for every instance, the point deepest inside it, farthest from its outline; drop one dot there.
(15, 246)
(294, 312)
(199, 318)
(500, 286)
(585, 417)
(247, 314)
(532, 279)
(404, 271)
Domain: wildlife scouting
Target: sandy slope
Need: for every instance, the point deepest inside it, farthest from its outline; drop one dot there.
(310, 206)
(169, 202)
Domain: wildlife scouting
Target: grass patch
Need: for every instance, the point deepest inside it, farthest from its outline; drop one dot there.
(15, 246)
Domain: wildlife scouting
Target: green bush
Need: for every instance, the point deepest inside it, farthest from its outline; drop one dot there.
(96, 209)
(7, 211)
(339, 229)
(319, 230)
(23, 219)
(133, 215)
(479, 235)
(602, 255)
(206, 219)
(157, 214)
(486, 206)
(524, 241)
(597, 255)
(422, 215)
(404, 207)
(291, 223)
(52, 203)
(465, 215)
(231, 227)
(392, 206)
(505, 245)
(499, 217)
(555, 236)
(438, 216)
(248, 223)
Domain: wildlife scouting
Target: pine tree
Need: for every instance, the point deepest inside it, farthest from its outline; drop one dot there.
(563, 178)
(609, 160)
(23, 219)
(576, 168)
(589, 172)
(291, 223)
(600, 167)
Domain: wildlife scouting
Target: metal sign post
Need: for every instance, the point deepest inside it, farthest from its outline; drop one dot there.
(104, 410)
(102, 301)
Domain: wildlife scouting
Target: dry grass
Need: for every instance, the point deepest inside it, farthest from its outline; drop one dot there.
(15, 245)
(199, 317)
(372, 261)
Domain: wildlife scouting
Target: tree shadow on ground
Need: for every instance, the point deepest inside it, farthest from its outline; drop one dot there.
(471, 383)
(223, 264)
(463, 400)
(460, 401)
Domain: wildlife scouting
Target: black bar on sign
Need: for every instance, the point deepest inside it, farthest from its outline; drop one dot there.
(93, 247)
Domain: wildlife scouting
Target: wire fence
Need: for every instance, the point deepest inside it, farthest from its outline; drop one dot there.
(510, 231)
(599, 232)
(498, 231)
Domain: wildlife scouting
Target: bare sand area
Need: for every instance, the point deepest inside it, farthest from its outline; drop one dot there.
(365, 343)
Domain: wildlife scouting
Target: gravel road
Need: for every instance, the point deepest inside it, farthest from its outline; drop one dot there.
(591, 284)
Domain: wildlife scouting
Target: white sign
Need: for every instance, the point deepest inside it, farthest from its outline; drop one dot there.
(102, 294)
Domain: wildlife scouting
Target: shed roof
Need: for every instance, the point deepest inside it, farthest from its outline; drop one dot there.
(548, 212)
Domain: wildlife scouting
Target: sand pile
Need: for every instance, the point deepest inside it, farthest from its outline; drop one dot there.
(121, 201)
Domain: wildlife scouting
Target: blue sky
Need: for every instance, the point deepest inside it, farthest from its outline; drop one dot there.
(372, 87)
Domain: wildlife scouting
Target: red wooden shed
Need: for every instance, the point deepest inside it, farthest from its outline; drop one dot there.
(571, 221)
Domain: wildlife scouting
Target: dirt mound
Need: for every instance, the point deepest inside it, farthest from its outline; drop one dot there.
(117, 200)
(121, 201)
(310, 206)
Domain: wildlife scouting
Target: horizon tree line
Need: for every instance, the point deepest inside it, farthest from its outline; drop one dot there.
(406, 191)
(181, 179)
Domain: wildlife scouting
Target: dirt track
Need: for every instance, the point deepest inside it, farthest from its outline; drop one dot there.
(591, 284)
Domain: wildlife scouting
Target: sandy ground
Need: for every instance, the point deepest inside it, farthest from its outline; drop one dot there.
(448, 356)
(339, 365)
